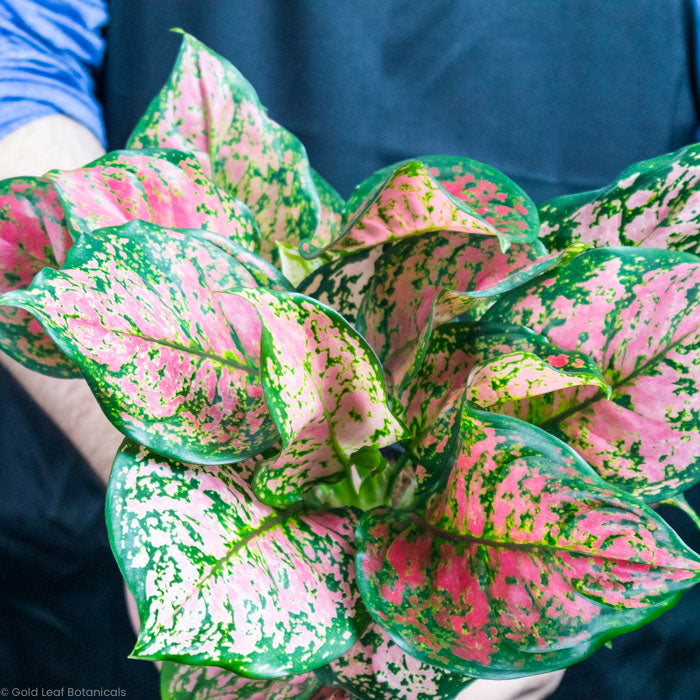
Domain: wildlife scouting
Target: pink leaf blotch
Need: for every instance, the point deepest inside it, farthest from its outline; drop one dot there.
(523, 561)
(135, 307)
(33, 235)
(325, 390)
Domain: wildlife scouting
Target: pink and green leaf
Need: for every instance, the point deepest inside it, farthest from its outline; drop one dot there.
(524, 561)
(653, 204)
(410, 202)
(429, 194)
(399, 305)
(207, 107)
(525, 373)
(171, 366)
(221, 579)
(376, 668)
(325, 390)
(482, 363)
(636, 313)
(161, 186)
(33, 235)
(183, 682)
(342, 283)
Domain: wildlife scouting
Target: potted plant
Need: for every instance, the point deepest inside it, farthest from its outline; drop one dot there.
(378, 447)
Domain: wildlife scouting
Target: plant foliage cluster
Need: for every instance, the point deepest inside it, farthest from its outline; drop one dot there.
(386, 445)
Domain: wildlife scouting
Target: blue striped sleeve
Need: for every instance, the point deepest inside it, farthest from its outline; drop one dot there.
(48, 51)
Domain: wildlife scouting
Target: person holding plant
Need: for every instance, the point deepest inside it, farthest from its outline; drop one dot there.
(78, 141)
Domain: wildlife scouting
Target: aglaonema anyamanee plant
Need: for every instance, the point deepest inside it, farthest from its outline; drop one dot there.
(386, 445)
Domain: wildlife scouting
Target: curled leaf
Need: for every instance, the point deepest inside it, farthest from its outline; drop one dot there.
(325, 390)
(491, 365)
(636, 313)
(427, 280)
(411, 201)
(431, 193)
(134, 307)
(524, 561)
(221, 579)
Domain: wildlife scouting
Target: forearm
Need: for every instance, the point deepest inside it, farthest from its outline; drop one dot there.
(59, 142)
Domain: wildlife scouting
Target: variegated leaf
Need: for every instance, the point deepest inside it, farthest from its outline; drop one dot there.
(653, 204)
(376, 668)
(397, 310)
(221, 579)
(530, 367)
(525, 561)
(485, 363)
(207, 107)
(162, 186)
(343, 283)
(134, 307)
(183, 682)
(636, 312)
(411, 201)
(431, 193)
(33, 235)
(325, 390)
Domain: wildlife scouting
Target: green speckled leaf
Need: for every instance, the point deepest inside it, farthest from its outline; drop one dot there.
(526, 369)
(221, 579)
(653, 204)
(325, 390)
(343, 283)
(183, 682)
(429, 194)
(33, 235)
(411, 279)
(483, 362)
(524, 561)
(134, 307)
(409, 202)
(636, 312)
(207, 107)
(161, 186)
(376, 668)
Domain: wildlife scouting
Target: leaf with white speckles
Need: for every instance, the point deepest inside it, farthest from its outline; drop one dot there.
(171, 366)
(207, 107)
(325, 390)
(221, 579)
(524, 561)
(161, 186)
(183, 682)
(33, 235)
(636, 312)
(376, 668)
(653, 204)
(406, 296)
(429, 194)
(491, 365)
